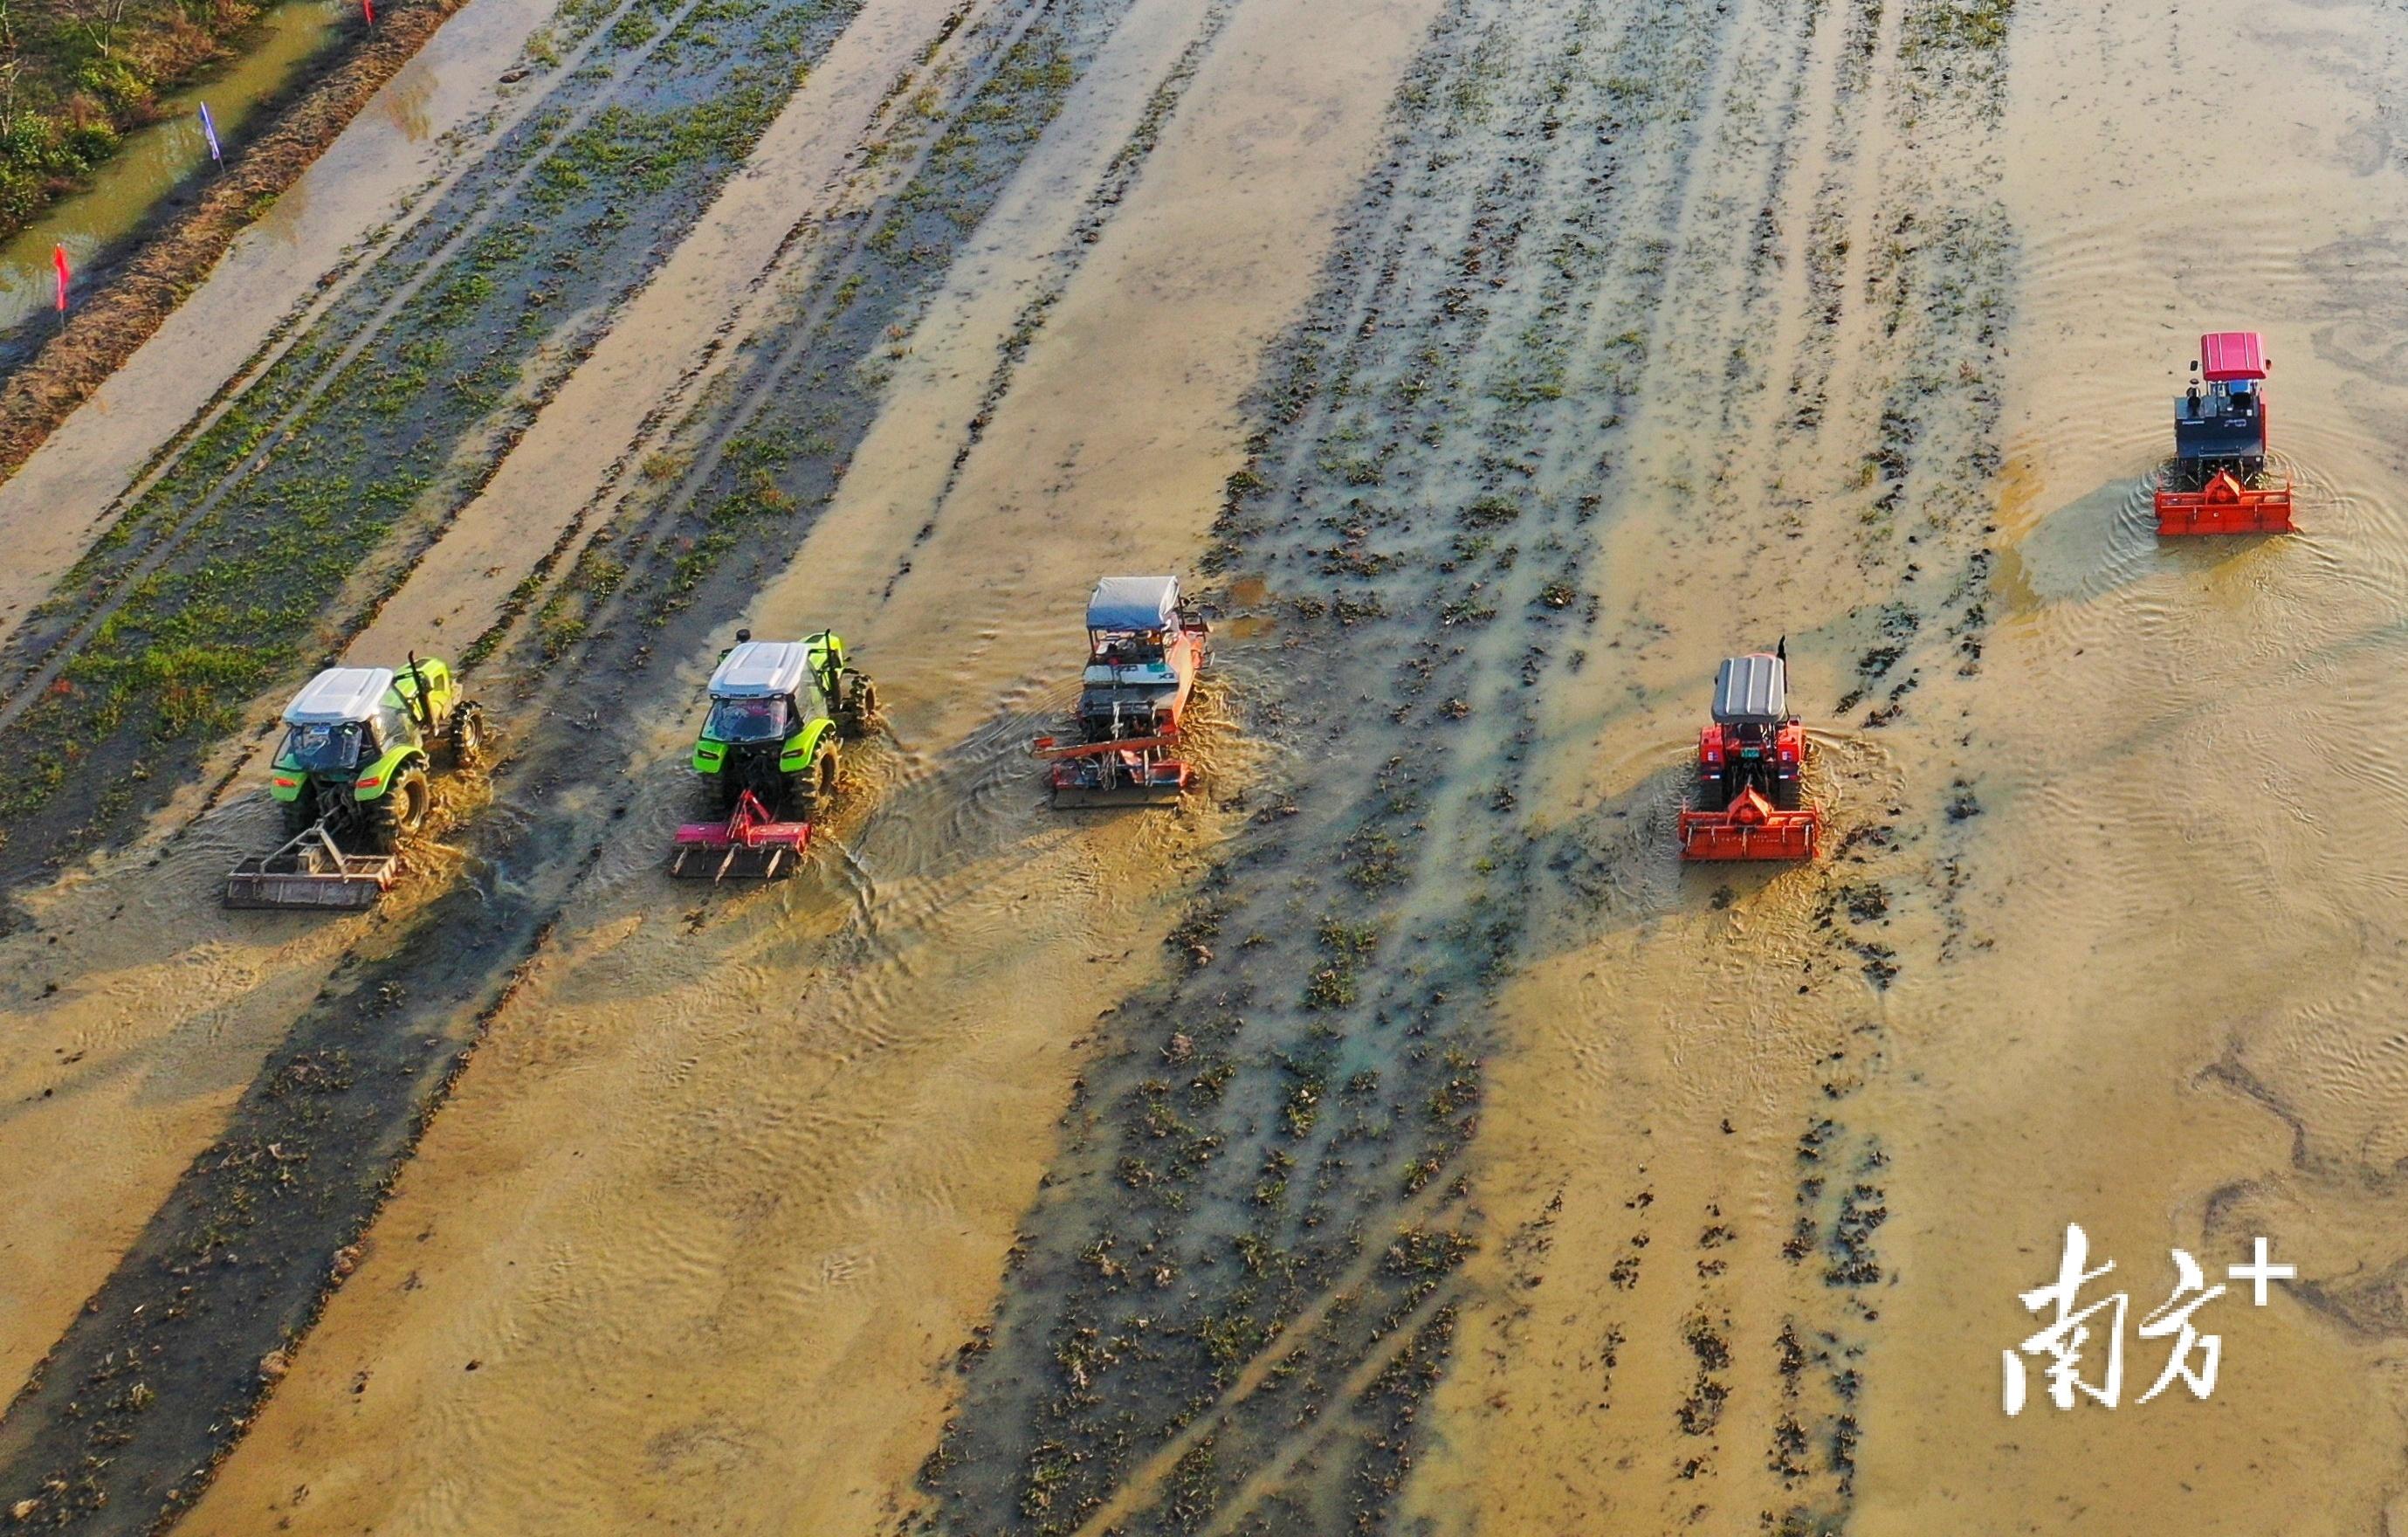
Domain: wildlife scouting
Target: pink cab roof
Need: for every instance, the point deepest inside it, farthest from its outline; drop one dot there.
(2231, 354)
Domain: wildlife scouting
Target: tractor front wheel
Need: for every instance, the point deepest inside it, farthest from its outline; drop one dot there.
(400, 811)
(861, 710)
(467, 735)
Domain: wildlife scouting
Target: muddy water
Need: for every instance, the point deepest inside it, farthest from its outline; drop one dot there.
(55, 503)
(2107, 937)
(767, 1154)
(2173, 1020)
(134, 1017)
(1825, 337)
(156, 159)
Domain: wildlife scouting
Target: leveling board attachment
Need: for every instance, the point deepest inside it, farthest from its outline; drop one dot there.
(307, 872)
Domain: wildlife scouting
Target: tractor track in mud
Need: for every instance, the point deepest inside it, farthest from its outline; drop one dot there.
(1242, 1282)
(1294, 1067)
(839, 316)
(1908, 464)
(126, 1419)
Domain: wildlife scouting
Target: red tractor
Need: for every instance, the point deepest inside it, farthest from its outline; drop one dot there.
(2218, 483)
(1143, 653)
(1751, 792)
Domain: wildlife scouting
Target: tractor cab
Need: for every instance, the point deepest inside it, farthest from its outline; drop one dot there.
(1751, 702)
(344, 717)
(350, 730)
(1142, 653)
(763, 691)
(765, 706)
(2220, 420)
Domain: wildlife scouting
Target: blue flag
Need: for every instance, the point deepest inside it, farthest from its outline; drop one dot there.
(210, 131)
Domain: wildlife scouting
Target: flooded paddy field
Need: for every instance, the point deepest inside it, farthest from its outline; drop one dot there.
(1395, 1135)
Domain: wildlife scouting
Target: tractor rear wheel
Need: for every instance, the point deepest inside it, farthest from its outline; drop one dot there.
(813, 791)
(300, 812)
(400, 811)
(1713, 795)
(467, 735)
(1788, 792)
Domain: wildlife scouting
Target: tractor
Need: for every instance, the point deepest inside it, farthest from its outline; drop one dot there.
(768, 751)
(1750, 801)
(2218, 483)
(351, 780)
(1144, 652)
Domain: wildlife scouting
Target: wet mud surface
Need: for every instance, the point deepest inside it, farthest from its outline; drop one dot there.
(1396, 1138)
(676, 567)
(1245, 1286)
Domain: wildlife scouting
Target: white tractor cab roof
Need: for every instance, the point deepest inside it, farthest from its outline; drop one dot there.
(1752, 690)
(764, 670)
(338, 695)
(1134, 605)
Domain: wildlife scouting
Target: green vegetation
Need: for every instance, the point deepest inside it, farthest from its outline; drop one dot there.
(76, 74)
(646, 151)
(1980, 24)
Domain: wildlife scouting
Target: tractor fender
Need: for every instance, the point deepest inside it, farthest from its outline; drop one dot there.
(709, 756)
(374, 780)
(803, 745)
(286, 779)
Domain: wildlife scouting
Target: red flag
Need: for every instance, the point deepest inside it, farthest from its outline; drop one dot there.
(59, 260)
(367, 9)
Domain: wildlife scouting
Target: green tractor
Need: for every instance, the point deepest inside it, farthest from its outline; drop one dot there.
(351, 780)
(769, 748)
(779, 709)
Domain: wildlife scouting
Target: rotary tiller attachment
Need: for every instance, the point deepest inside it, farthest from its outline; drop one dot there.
(1098, 775)
(2226, 506)
(1752, 828)
(748, 846)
